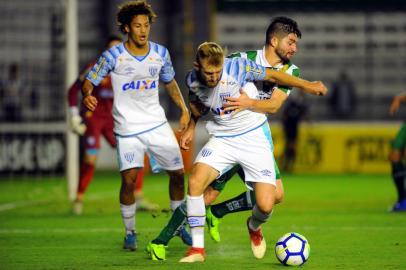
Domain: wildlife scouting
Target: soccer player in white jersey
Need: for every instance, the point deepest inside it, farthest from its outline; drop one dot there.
(281, 41)
(140, 124)
(235, 139)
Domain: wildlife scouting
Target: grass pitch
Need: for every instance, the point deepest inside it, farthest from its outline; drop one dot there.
(344, 217)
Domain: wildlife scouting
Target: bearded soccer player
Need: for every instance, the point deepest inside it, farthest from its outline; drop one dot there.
(235, 139)
(140, 125)
(281, 44)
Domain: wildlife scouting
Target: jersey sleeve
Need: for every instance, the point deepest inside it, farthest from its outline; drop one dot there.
(245, 70)
(291, 70)
(167, 72)
(104, 65)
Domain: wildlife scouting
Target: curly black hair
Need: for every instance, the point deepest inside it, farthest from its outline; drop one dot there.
(128, 10)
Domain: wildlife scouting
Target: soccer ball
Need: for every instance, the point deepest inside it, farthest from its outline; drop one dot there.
(292, 249)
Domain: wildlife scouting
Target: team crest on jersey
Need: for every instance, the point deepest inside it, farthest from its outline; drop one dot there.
(223, 96)
(206, 152)
(176, 161)
(153, 71)
(129, 156)
(266, 172)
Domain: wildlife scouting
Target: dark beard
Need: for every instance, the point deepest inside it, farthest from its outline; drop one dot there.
(282, 55)
(201, 80)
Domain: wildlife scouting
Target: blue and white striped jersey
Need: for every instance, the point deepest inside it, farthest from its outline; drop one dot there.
(135, 81)
(236, 73)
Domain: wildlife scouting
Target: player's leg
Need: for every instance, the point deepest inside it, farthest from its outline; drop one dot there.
(216, 157)
(244, 201)
(142, 203)
(398, 169)
(156, 248)
(265, 198)
(91, 143)
(128, 206)
(130, 154)
(260, 174)
(201, 175)
(164, 148)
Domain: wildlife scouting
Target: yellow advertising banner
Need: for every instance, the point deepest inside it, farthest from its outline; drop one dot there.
(340, 148)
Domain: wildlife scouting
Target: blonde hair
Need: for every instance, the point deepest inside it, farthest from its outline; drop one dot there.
(210, 51)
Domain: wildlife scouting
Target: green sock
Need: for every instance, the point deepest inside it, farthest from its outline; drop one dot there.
(178, 219)
(244, 201)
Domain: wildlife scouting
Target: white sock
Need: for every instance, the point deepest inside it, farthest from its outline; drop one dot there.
(175, 204)
(258, 218)
(196, 215)
(128, 216)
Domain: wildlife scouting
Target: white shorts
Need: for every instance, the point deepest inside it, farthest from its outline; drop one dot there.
(252, 150)
(159, 143)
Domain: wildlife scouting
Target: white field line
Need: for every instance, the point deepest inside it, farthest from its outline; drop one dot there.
(13, 205)
(19, 204)
(234, 229)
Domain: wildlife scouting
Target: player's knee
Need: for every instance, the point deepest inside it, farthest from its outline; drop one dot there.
(177, 174)
(128, 179)
(177, 177)
(279, 197)
(195, 186)
(210, 195)
(265, 206)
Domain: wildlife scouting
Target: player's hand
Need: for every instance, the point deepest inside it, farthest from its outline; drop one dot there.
(76, 125)
(316, 88)
(394, 107)
(187, 138)
(184, 121)
(90, 102)
(75, 121)
(237, 104)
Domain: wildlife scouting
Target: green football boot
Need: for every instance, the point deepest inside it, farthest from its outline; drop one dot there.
(157, 252)
(213, 225)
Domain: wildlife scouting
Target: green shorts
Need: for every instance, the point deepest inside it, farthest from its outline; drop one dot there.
(221, 182)
(400, 140)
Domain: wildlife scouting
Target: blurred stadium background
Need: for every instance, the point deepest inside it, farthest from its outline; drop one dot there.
(339, 189)
(364, 39)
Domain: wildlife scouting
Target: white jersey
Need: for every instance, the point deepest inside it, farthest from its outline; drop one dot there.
(236, 73)
(266, 89)
(135, 81)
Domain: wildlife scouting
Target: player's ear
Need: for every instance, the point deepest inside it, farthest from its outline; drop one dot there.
(274, 41)
(127, 28)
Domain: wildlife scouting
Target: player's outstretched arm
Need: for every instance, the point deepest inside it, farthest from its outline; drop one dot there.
(281, 78)
(89, 101)
(396, 102)
(244, 102)
(174, 92)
